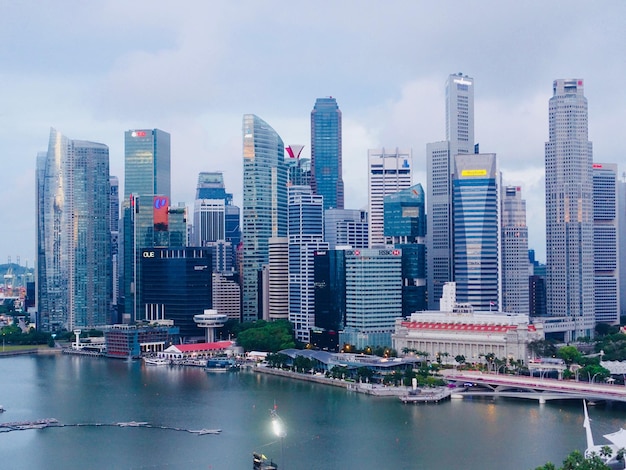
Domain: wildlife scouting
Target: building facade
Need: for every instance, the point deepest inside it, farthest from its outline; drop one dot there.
(278, 279)
(346, 227)
(569, 211)
(388, 173)
(476, 216)
(515, 265)
(264, 204)
(74, 255)
(326, 167)
(605, 243)
(147, 178)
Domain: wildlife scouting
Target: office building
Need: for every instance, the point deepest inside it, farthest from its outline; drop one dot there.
(346, 227)
(264, 204)
(605, 243)
(326, 170)
(621, 192)
(74, 266)
(306, 236)
(405, 228)
(569, 212)
(388, 173)
(476, 218)
(227, 295)
(299, 169)
(329, 268)
(439, 163)
(515, 266)
(176, 284)
(146, 195)
(114, 202)
(373, 291)
(278, 279)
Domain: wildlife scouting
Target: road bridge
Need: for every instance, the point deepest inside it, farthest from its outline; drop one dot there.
(541, 389)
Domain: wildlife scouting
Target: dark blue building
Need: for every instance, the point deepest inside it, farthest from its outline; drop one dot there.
(405, 228)
(176, 284)
(326, 171)
(330, 298)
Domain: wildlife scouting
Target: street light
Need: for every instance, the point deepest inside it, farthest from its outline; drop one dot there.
(594, 377)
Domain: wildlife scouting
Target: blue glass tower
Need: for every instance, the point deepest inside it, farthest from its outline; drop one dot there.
(264, 204)
(74, 267)
(326, 172)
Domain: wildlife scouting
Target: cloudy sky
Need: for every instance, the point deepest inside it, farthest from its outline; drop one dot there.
(95, 69)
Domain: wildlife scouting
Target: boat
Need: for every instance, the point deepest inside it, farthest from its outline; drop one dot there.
(610, 454)
(156, 361)
(221, 365)
(2, 410)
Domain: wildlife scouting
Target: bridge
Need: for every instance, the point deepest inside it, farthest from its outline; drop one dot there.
(535, 388)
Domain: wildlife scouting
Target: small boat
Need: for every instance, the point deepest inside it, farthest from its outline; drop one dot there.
(2, 410)
(221, 365)
(156, 361)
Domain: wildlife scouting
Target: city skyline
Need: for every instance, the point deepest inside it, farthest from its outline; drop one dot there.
(512, 51)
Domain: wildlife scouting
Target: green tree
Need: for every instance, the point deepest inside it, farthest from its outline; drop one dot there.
(569, 354)
(364, 374)
(302, 364)
(577, 461)
(267, 336)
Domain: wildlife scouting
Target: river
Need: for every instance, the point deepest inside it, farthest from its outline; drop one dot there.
(327, 427)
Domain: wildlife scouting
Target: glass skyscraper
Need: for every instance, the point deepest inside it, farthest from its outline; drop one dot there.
(439, 163)
(264, 204)
(515, 294)
(146, 183)
(74, 267)
(569, 211)
(476, 213)
(326, 170)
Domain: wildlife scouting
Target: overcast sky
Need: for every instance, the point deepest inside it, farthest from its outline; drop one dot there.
(192, 68)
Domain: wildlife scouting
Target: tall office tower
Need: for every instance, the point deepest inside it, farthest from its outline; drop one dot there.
(621, 192)
(537, 287)
(405, 228)
(439, 162)
(605, 243)
(389, 172)
(515, 266)
(114, 202)
(176, 284)
(146, 195)
(306, 236)
(326, 171)
(346, 227)
(264, 204)
(329, 268)
(299, 168)
(373, 296)
(476, 221)
(569, 212)
(278, 279)
(227, 295)
(73, 235)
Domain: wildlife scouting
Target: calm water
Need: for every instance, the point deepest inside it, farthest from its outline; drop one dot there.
(328, 428)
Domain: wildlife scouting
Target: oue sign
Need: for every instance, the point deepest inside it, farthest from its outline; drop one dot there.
(148, 254)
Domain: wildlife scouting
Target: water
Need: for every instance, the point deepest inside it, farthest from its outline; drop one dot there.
(327, 427)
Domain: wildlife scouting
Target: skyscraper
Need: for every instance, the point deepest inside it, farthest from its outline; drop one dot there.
(74, 268)
(515, 265)
(326, 170)
(346, 227)
(388, 173)
(146, 181)
(569, 211)
(476, 217)
(115, 242)
(306, 236)
(439, 163)
(605, 243)
(264, 203)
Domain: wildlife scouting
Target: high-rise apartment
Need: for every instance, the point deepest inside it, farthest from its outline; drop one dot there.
(476, 217)
(74, 268)
(326, 171)
(388, 173)
(146, 194)
(569, 211)
(264, 204)
(515, 265)
(439, 163)
(306, 236)
(605, 243)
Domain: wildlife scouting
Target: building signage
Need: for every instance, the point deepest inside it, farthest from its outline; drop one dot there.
(477, 172)
(138, 133)
(148, 254)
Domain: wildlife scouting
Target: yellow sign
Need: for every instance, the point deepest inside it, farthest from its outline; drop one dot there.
(473, 172)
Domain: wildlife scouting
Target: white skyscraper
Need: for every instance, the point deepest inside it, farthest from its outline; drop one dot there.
(439, 161)
(389, 172)
(569, 211)
(605, 243)
(515, 295)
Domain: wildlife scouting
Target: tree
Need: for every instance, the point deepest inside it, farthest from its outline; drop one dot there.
(364, 374)
(542, 348)
(577, 461)
(460, 358)
(569, 354)
(302, 364)
(267, 336)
